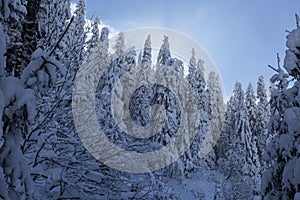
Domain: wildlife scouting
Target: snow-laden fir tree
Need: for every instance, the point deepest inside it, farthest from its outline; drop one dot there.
(31, 30)
(281, 178)
(2, 50)
(145, 62)
(216, 104)
(120, 44)
(104, 43)
(94, 40)
(13, 14)
(147, 55)
(164, 55)
(241, 164)
(75, 42)
(52, 20)
(250, 101)
(197, 81)
(262, 119)
(18, 112)
(222, 144)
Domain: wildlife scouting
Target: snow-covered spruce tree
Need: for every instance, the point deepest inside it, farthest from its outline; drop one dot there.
(240, 164)
(84, 176)
(74, 53)
(2, 51)
(120, 44)
(281, 178)
(222, 145)
(104, 43)
(197, 81)
(164, 55)
(13, 14)
(147, 55)
(262, 119)
(17, 112)
(145, 62)
(94, 41)
(60, 161)
(217, 108)
(52, 19)
(250, 101)
(31, 31)
(75, 42)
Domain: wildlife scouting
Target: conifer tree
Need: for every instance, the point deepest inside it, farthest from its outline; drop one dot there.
(216, 104)
(250, 101)
(240, 164)
(262, 119)
(94, 41)
(281, 178)
(164, 55)
(13, 15)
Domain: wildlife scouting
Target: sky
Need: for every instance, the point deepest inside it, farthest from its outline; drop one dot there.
(241, 37)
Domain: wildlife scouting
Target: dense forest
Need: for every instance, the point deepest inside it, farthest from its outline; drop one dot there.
(255, 135)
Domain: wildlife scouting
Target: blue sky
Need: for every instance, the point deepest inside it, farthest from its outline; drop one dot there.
(242, 37)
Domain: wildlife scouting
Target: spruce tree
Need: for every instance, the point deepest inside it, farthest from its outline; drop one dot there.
(281, 178)
(164, 55)
(147, 55)
(216, 104)
(13, 16)
(120, 44)
(262, 119)
(250, 101)
(94, 41)
(241, 163)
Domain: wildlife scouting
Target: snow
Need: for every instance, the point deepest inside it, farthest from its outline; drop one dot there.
(2, 99)
(34, 65)
(293, 40)
(15, 94)
(290, 62)
(2, 50)
(201, 185)
(6, 9)
(297, 196)
(54, 63)
(292, 116)
(297, 172)
(27, 98)
(10, 87)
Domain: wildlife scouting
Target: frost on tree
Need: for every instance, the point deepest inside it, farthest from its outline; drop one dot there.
(281, 179)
